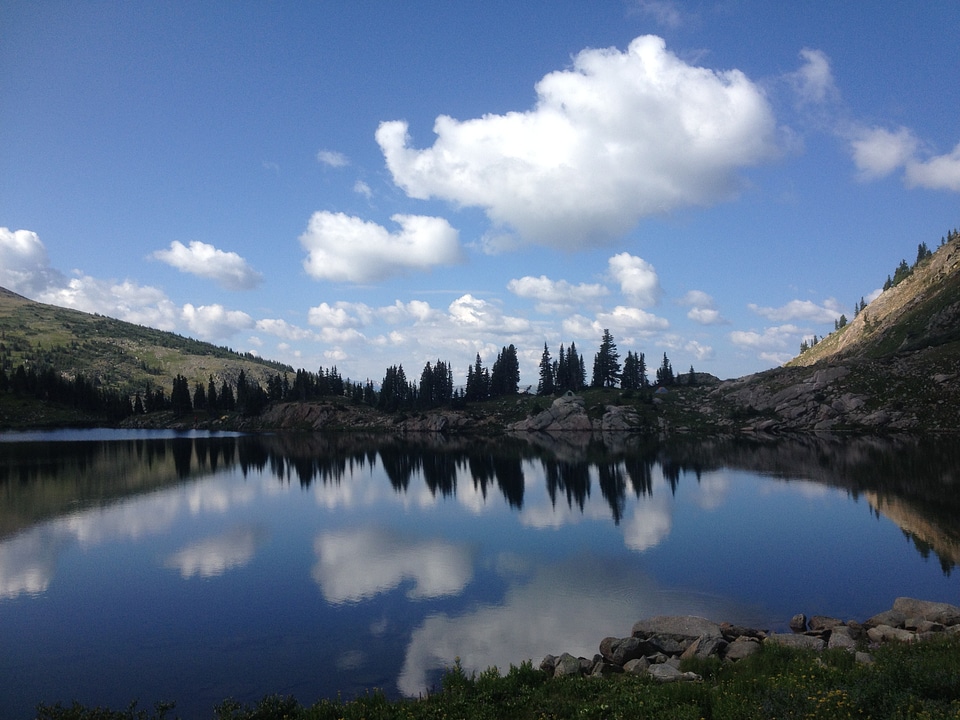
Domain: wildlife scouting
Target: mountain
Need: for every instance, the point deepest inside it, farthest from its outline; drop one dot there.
(894, 367)
(112, 354)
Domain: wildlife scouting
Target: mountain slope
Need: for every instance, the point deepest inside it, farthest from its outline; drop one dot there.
(114, 354)
(895, 367)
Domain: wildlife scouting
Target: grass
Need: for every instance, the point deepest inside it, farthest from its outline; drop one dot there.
(921, 680)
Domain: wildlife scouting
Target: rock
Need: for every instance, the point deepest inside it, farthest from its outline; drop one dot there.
(741, 648)
(662, 643)
(732, 632)
(567, 412)
(605, 669)
(937, 612)
(864, 658)
(842, 637)
(549, 665)
(621, 650)
(820, 623)
(567, 665)
(798, 623)
(685, 627)
(885, 633)
(668, 673)
(703, 647)
(802, 642)
(892, 618)
(637, 667)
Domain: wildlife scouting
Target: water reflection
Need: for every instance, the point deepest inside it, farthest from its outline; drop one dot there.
(262, 558)
(910, 481)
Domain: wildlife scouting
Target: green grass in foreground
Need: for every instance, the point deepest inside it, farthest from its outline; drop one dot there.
(907, 681)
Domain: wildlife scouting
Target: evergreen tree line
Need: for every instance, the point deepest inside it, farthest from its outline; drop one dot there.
(435, 387)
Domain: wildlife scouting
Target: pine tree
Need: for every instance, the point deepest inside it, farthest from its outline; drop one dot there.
(630, 378)
(546, 385)
(180, 396)
(505, 375)
(606, 363)
(665, 372)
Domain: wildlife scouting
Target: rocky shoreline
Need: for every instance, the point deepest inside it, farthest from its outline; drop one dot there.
(656, 647)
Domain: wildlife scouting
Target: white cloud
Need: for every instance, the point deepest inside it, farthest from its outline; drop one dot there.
(813, 82)
(638, 279)
(556, 296)
(772, 338)
(345, 248)
(468, 311)
(362, 188)
(282, 329)
(937, 173)
(24, 266)
(878, 152)
(801, 310)
(332, 158)
(631, 319)
(227, 269)
(214, 322)
(619, 137)
(664, 12)
(699, 351)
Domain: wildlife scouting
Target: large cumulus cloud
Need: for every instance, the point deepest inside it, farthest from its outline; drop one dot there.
(617, 137)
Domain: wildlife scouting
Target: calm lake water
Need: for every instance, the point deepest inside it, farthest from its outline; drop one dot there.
(195, 568)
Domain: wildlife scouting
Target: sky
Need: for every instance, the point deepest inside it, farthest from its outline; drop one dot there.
(368, 184)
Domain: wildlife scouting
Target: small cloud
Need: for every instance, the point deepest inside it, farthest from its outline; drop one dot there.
(702, 310)
(556, 296)
(227, 269)
(638, 279)
(813, 82)
(348, 249)
(214, 322)
(877, 152)
(332, 158)
(801, 310)
(24, 265)
(361, 188)
(664, 12)
(938, 173)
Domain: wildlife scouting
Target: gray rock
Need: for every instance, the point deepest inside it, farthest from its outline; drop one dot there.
(686, 627)
(548, 664)
(803, 642)
(798, 623)
(668, 673)
(605, 669)
(637, 667)
(662, 643)
(891, 618)
(741, 648)
(864, 658)
(938, 612)
(621, 650)
(819, 623)
(842, 637)
(704, 647)
(567, 665)
(885, 633)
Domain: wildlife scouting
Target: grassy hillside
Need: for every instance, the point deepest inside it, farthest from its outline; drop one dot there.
(114, 354)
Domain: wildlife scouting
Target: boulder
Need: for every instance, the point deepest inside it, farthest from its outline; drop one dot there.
(605, 669)
(803, 642)
(885, 633)
(741, 648)
(798, 623)
(621, 650)
(891, 618)
(668, 673)
(549, 665)
(938, 612)
(567, 665)
(842, 637)
(680, 627)
(821, 623)
(703, 647)
(637, 667)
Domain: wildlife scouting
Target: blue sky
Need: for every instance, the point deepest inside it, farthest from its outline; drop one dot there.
(364, 184)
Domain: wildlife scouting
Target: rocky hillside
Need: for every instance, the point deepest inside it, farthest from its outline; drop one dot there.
(894, 367)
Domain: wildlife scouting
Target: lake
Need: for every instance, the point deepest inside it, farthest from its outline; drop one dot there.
(196, 567)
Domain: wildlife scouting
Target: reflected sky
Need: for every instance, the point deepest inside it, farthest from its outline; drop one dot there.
(215, 567)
